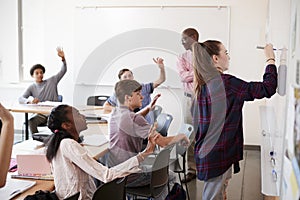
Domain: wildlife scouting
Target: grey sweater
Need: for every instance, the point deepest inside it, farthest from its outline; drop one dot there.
(46, 90)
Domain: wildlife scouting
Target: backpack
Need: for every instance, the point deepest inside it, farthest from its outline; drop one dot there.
(42, 195)
(177, 193)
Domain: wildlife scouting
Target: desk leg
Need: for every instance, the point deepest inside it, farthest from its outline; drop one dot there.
(26, 127)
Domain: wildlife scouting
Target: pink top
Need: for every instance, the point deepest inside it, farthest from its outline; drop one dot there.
(185, 69)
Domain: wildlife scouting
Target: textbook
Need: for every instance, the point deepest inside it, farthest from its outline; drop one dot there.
(13, 187)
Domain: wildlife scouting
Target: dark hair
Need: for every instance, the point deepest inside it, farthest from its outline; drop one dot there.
(122, 71)
(37, 66)
(191, 32)
(126, 87)
(57, 116)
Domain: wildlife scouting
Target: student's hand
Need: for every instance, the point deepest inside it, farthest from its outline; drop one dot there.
(60, 53)
(160, 62)
(182, 139)
(5, 115)
(269, 53)
(35, 101)
(153, 102)
(153, 135)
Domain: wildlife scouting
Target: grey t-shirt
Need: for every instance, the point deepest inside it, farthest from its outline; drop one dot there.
(46, 90)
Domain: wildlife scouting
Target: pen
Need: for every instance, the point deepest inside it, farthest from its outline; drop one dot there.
(260, 47)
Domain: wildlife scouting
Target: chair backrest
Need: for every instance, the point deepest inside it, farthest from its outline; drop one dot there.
(156, 112)
(97, 100)
(114, 190)
(160, 168)
(163, 123)
(59, 98)
(186, 129)
(73, 197)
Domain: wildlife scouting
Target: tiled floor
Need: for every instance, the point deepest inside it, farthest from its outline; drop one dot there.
(246, 185)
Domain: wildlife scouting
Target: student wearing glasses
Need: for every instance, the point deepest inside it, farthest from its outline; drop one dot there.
(186, 74)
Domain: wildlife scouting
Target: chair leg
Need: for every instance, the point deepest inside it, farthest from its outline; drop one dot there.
(186, 187)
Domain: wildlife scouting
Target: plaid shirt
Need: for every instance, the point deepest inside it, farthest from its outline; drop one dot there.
(219, 137)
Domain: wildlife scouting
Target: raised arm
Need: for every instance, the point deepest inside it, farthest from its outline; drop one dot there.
(6, 142)
(162, 75)
(63, 70)
(151, 106)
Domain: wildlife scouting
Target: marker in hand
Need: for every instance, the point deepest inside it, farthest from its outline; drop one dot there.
(260, 47)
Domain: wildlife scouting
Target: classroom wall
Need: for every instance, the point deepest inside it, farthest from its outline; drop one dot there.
(248, 28)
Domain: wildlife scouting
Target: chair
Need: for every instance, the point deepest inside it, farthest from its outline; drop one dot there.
(73, 197)
(59, 98)
(159, 177)
(175, 165)
(114, 190)
(155, 112)
(163, 123)
(41, 136)
(97, 100)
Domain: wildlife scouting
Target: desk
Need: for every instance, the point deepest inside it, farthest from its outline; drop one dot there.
(40, 185)
(29, 146)
(45, 109)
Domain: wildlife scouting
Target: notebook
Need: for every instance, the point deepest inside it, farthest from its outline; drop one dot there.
(34, 166)
(13, 187)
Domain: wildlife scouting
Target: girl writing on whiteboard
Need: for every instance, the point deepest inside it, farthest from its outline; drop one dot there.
(219, 100)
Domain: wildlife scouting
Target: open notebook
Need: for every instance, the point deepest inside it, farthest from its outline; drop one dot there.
(14, 187)
(33, 166)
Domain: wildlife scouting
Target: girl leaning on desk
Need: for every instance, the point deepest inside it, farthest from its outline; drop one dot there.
(73, 168)
(6, 142)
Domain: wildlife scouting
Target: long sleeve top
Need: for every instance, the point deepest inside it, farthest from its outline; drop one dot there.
(46, 90)
(73, 170)
(186, 71)
(218, 117)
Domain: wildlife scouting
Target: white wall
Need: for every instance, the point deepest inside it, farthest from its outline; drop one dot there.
(248, 22)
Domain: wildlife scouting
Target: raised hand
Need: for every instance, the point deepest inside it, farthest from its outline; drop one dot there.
(153, 102)
(159, 61)
(60, 53)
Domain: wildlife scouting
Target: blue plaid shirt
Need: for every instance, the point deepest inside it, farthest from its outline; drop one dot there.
(218, 120)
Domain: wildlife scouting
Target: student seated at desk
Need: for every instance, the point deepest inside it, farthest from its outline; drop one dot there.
(147, 89)
(42, 90)
(129, 129)
(6, 142)
(72, 167)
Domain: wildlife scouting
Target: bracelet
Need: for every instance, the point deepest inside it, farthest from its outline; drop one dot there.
(270, 59)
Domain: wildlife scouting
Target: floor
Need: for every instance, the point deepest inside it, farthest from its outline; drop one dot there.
(246, 185)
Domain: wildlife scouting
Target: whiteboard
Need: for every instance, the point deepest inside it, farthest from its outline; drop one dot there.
(111, 38)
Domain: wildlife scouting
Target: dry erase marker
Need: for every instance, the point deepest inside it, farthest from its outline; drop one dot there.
(260, 47)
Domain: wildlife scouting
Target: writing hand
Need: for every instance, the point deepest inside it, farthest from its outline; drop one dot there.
(35, 101)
